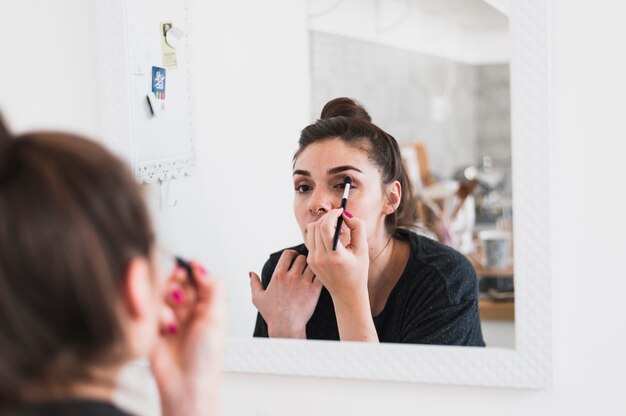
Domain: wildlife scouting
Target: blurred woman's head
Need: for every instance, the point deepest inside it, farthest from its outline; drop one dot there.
(345, 142)
(77, 285)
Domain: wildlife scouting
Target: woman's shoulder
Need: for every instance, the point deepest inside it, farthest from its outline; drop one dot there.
(300, 248)
(270, 264)
(431, 252)
(443, 264)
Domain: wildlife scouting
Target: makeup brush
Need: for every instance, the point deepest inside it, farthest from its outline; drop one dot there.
(344, 202)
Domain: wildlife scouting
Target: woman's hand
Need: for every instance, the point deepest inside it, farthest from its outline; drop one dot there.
(290, 298)
(344, 272)
(187, 361)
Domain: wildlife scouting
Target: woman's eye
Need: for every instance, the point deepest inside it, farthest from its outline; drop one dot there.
(342, 186)
(303, 188)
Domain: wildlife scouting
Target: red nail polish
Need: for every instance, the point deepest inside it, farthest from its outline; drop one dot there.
(348, 214)
(172, 328)
(178, 297)
(250, 275)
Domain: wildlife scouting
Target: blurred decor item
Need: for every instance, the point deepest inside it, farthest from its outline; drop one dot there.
(490, 199)
(496, 286)
(415, 159)
(447, 208)
(495, 247)
(466, 188)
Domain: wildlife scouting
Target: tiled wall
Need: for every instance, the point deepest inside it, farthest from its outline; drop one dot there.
(493, 116)
(460, 111)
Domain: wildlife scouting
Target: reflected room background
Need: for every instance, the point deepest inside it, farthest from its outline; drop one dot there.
(435, 75)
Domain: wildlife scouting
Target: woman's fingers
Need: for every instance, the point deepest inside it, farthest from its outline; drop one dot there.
(308, 274)
(180, 295)
(320, 244)
(358, 237)
(309, 237)
(201, 295)
(181, 280)
(256, 288)
(211, 297)
(298, 266)
(317, 284)
(168, 324)
(285, 262)
(180, 302)
(325, 230)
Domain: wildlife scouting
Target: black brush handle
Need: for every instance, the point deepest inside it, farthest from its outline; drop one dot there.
(344, 202)
(188, 269)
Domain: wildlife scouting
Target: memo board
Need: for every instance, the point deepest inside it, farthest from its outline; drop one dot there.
(145, 83)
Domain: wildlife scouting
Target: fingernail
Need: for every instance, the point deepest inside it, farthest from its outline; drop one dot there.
(250, 275)
(199, 267)
(178, 297)
(347, 214)
(172, 328)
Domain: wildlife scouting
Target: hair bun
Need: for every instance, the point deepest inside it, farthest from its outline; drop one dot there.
(346, 107)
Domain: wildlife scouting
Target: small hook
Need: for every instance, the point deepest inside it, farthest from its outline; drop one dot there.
(167, 198)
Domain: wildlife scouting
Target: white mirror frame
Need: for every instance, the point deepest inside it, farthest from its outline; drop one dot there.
(529, 365)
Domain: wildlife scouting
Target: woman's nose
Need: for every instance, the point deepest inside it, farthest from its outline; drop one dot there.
(320, 202)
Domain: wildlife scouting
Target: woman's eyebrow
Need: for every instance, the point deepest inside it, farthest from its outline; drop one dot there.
(331, 171)
(344, 168)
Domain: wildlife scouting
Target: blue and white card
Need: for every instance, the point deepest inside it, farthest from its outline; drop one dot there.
(158, 82)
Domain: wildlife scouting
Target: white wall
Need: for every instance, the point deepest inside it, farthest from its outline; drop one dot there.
(48, 68)
(44, 84)
(251, 98)
(411, 26)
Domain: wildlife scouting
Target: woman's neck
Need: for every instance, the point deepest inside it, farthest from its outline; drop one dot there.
(388, 259)
(100, 387)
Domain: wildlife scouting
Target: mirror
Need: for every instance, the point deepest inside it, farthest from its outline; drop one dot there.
(529, 363)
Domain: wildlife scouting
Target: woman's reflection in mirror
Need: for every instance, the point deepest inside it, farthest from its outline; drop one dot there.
(384, 283)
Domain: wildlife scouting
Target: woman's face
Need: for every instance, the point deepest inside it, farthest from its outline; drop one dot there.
(319, 172)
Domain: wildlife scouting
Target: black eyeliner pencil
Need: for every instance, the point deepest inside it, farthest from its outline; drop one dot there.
(344, 202)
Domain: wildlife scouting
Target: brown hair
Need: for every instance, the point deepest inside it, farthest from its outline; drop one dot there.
(71, 220)
(345, 119)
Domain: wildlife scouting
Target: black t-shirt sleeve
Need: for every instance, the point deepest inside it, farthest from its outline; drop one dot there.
(260, 328)
(448, 314)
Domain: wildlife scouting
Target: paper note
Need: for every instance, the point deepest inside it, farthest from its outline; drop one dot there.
(169, 52)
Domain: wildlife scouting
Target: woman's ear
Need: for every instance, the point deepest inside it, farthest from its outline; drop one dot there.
(394, 195)
(138, 287)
